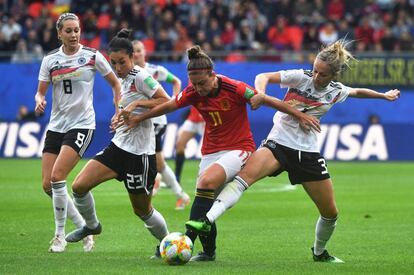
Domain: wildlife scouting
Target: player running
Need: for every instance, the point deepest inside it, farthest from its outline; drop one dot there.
(130, 157)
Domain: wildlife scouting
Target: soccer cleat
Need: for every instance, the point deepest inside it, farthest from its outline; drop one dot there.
(81, 233)
(325, 257)
(203, 257)
(88, 243)
(157, 254)
(58, 244)
(201, 227)
(183, 201)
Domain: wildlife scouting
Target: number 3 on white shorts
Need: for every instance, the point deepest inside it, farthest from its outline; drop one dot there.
(323, 164)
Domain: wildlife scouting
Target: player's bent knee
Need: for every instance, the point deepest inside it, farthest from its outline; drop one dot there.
(46, 185)
(142, 212)
(79, 188)
(330, 213)
(57, 176)
(207, 183)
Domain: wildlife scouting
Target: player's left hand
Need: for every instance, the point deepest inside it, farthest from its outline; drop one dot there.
(392, 95)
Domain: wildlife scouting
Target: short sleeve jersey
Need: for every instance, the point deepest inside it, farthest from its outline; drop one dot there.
(137, 85)
(159, 73)
(72, 78)
(303, 96)
(225, 113)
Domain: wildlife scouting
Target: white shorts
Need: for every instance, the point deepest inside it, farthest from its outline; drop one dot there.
(193, 127)
(231, 161)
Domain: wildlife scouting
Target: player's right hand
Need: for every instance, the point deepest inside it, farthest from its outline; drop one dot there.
(308, 122)
(40, 104)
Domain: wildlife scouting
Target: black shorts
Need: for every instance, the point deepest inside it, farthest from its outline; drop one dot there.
(301, 166)
(136, 171)
(78, 139)
(159, 136)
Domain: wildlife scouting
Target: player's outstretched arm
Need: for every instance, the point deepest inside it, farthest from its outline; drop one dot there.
(391, 95)
(133, 120)
(306, 121)
(261, 80)
(160, 96)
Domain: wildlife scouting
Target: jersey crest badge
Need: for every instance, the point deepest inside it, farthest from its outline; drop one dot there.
(225, 105)
(82, 60)
(328, 97)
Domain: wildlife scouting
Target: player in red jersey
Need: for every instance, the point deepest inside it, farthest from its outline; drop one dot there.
(227, 142)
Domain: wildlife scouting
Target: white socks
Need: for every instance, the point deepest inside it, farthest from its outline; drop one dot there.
(72, 212)
(86, 205)
(74, 215)
(168, 177)
(155, 223)
(323, 232)
(228, 197)
(60, 202)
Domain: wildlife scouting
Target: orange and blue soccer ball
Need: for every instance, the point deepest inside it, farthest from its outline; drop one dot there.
(176, 248)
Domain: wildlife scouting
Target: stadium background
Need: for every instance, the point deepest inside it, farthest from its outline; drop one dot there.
(271, 230)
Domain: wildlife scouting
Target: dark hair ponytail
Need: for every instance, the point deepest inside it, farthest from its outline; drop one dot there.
(198, 60)
(121, 42)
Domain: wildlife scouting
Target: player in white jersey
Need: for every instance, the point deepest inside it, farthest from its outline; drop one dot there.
(292, 148)
(130, 157)
(71, 70)
(160, 73)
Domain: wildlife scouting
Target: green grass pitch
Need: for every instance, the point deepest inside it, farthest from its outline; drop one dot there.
(270, 231)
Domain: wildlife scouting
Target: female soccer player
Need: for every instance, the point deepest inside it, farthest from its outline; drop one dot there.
(227, 142)
(71, 69)
(291, 148)
(160, 73)
(130, 157)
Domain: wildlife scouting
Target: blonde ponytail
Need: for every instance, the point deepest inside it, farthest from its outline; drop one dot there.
(337, 56)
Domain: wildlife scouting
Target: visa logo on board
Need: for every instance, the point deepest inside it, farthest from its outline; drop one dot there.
(340, 142)
(349, 142)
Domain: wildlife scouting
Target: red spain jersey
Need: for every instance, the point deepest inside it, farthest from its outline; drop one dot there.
(225, 113)
(195, 116)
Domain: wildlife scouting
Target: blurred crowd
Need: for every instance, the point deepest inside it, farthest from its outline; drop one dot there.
(233, 27)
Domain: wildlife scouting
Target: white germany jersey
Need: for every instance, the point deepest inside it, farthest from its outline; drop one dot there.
(138, 85)
(72, 78)
(303, 96)
(159, 73)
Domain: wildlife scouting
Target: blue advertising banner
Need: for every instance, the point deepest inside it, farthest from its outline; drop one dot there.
(344, 142)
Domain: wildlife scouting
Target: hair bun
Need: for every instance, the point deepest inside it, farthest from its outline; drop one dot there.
(194, 52)
(124, 33)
